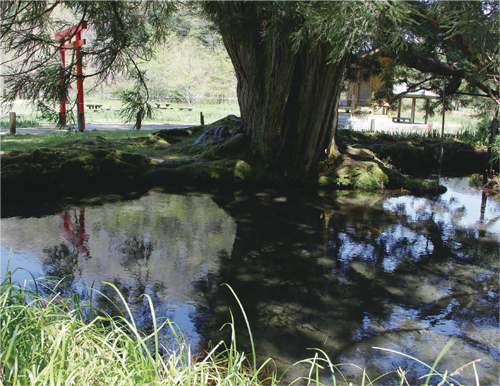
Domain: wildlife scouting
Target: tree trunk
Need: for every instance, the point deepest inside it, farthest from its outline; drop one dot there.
(138, 120)
(288, 97)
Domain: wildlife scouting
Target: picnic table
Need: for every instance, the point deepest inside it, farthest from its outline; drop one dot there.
(94, 106)
(401, 119)
(185, 108)
(162, 105)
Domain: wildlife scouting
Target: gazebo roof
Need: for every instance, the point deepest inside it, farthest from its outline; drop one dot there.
(420, 94)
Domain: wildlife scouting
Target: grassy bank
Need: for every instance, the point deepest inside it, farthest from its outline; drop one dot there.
(110, 113)
(48, 340)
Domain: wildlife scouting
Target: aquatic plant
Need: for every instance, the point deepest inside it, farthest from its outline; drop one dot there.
(50, 340)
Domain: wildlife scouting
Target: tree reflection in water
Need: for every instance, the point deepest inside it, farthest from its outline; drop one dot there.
(61, 260)
(61, 265)
(401, 273)
(341, 273)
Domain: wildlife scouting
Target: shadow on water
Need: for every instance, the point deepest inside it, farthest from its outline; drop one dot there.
(342, 272)
(347, 273)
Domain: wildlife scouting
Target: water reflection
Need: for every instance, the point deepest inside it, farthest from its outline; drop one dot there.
(342, 273)
(74, 230)
(157, 245)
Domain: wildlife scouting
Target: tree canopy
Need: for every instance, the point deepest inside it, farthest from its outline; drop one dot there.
(457, 40)
(290, 58)
(120, 35)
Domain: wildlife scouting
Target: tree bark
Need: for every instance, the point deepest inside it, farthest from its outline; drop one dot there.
(288, 96)
(138, 120)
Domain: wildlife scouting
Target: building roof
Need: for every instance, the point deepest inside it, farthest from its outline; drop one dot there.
(424, 94)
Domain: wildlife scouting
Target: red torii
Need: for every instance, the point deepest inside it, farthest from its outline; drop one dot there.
(65, 38)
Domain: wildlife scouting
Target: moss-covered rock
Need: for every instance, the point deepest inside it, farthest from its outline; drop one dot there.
(359, 168)
(53, 171)
(417, 156)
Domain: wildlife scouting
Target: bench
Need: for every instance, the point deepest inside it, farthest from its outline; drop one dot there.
(185, 108)
(401, 119)
(347, 109)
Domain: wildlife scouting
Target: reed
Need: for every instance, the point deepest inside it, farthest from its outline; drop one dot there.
(48, 340)
(56, 341)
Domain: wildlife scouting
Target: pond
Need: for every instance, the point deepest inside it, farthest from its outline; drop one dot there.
(342, 272)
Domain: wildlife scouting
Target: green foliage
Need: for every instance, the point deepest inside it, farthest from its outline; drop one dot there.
(458, 40)
(194, 64)
(121, 34)
(478, 133)
(135, 107)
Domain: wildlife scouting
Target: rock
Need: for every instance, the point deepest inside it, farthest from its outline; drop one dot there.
(215, 134)
(169, 133)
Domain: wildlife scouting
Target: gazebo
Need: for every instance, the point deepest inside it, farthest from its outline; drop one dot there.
(413, 95)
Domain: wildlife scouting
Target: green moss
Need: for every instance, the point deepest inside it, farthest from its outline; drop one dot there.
(49, 171)
(356, 174)
(205, 171)
(326, 181)
(416, 185)
(476, 180)
(242, 170)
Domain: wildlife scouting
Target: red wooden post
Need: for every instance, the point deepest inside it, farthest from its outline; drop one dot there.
(62, 114)
(66, 37)
(79, 81)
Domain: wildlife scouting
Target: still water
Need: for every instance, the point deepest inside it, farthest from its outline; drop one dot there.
(341, 272)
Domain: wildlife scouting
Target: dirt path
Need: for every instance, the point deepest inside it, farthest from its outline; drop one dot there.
(98, 126)
(380, 124)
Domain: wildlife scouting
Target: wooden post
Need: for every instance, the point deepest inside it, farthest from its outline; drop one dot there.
(413, 104)
(372, 124)
(442, 128)
(494, 126)
(202, 118)
(399, 108)
(12, 117)
(354, 98)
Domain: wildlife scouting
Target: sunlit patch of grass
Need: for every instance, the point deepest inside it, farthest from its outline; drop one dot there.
(63, 138)
(128, 141)
(111, 113)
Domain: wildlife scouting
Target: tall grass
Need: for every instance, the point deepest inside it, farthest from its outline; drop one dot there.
(48, 340)
(55, 341)
(23, 121)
